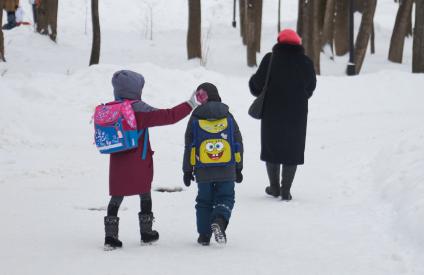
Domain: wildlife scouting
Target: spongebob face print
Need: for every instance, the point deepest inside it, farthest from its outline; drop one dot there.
(213, 143)
(215, 126)
(215, 151)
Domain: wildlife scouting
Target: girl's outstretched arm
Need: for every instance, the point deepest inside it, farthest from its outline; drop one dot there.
(162, 117)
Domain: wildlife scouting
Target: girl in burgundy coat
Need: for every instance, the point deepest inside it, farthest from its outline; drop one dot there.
(129, 174)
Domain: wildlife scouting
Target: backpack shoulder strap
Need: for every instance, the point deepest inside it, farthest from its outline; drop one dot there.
(232, 132)
(145, 143)
(194, 129)
(236, 144)
(194, 142)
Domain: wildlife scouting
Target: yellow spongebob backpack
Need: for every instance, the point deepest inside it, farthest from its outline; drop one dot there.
(213, 143)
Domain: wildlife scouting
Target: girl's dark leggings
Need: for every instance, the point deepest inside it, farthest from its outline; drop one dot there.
(273, 170)
(115, 203)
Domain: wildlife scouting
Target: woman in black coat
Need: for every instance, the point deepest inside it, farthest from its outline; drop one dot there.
(291, 83)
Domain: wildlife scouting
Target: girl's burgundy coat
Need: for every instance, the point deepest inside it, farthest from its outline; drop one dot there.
(129, 174)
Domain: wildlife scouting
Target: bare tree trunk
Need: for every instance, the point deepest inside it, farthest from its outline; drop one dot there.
(322, 6)
(52, 19)
(300, 17)
(418, 44)
(242, 11)
(234, 23)
(95, 49)
(400, 31)
(311, 32)
(328, 26)
(194, 35)
(250, 32)
(306, 23)
(2, 57)
(351, 68)
(341, 30)
(359, 5)
(373, 39)
(47, 18)
(279, 16)
(258, 24)
(410, 23)
(42, 15)
(316, 33)
(364, 33)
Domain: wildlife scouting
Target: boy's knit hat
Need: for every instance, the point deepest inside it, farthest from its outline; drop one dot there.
(289, 36)
(211, 90)
(127, 85)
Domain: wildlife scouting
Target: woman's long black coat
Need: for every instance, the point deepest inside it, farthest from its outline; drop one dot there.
(292, 82)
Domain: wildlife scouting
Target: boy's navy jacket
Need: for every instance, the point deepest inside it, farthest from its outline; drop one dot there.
(212, 110)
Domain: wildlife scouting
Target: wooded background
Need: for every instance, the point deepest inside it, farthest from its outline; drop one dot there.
(324, 25)
(321, 24)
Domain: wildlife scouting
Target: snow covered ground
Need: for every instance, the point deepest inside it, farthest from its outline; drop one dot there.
(358, 203)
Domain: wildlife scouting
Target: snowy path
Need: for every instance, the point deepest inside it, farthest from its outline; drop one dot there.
(339, 222)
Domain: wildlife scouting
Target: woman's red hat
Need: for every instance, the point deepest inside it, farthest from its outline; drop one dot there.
(289, 36)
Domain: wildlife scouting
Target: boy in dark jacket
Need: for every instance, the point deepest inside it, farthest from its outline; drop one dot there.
(214, 156)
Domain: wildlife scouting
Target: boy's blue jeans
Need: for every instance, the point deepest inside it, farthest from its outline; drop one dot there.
(213, 199)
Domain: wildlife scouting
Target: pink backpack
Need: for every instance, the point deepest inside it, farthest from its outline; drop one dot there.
(115, 128)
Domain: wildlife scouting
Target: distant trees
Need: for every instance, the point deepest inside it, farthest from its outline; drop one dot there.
(251, 27)
(2, 58)
(400, 31)
(402, 28)
(364, 34)
(258, 24)
(95, 49)
(418, 44)
(47, 18)
(322, 24)
(194, 34)
(325, 24)
(250, 12)
(341, 27)
(242, 11)
(234, 23)
(328, 25)
(311, 30)
(310, 26)
(279, 16)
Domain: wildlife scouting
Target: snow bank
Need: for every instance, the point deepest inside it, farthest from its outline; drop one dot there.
(399, 175)
(358, 202)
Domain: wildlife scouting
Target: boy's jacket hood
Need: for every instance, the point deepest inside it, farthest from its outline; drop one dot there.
(211, 110)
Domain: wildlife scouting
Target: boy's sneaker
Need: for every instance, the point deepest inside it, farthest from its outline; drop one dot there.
(275, 192)
(218, 228)
(204, 239)
(285, 195)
